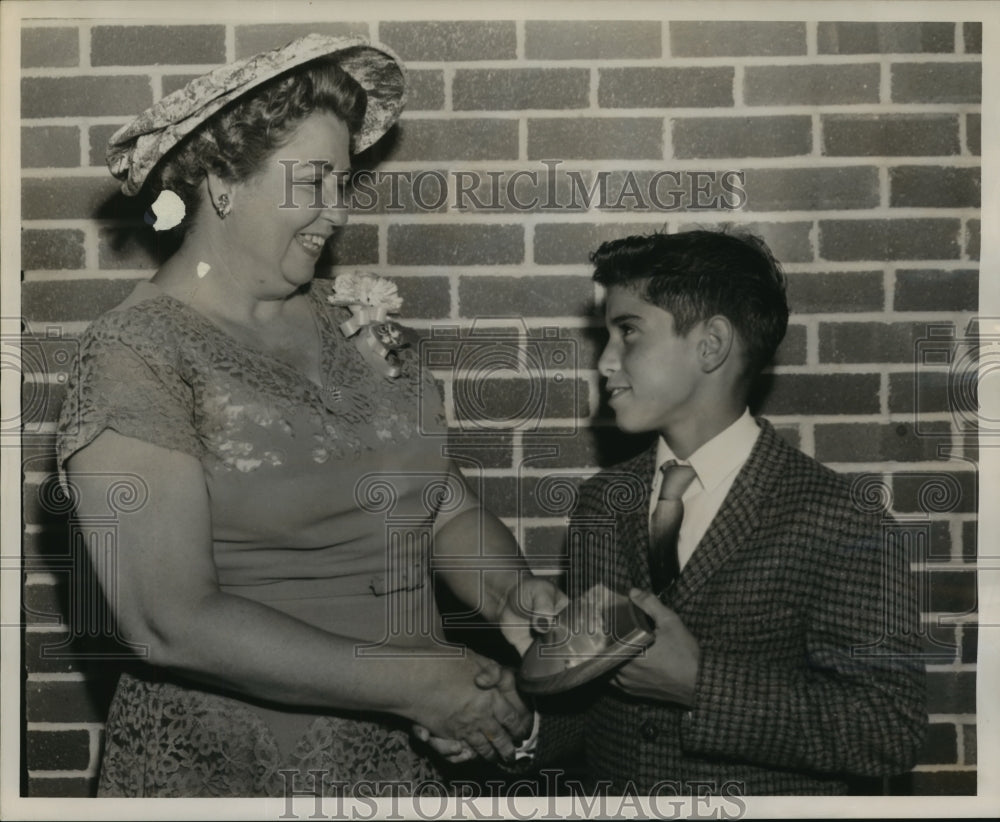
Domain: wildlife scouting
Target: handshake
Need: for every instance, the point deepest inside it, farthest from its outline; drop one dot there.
(478, 711)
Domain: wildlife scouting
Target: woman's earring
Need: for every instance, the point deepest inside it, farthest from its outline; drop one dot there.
(223, 207)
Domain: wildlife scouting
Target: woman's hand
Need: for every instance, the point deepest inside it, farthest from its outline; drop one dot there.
(530, 604)
(456, 751)
(473, 712)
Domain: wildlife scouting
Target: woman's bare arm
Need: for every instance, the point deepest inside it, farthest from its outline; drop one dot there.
(168, 601)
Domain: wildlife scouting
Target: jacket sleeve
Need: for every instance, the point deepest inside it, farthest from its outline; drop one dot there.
(856, 703)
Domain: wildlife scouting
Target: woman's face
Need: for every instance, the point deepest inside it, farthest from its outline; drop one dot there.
(282, 217)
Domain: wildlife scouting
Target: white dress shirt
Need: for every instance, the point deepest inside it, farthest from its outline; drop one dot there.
(716, 465)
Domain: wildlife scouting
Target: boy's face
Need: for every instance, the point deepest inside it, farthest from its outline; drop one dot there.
(652, 374)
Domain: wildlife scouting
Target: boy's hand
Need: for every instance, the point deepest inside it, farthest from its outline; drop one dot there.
(531, 604)
(668, 669)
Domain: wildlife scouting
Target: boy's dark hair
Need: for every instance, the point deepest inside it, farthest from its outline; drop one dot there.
(697, 274)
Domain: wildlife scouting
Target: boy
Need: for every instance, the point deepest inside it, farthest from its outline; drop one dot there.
(786, 650)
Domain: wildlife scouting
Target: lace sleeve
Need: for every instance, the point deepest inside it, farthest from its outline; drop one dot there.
(118, 388)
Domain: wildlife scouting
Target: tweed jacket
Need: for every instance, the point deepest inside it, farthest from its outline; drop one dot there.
(807, 622)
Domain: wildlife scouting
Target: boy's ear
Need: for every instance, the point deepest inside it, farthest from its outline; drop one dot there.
(716, 343)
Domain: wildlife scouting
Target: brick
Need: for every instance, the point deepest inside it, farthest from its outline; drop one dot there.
(811, 85)
(970, 538)
(592, 39)
(475, 452)
(38, 453)
(940, 543)
(75, 197)
(790, 434)
(792, 350)
(73, 299)
(933, 187)
(662, 87)
(595, 138)
(925, 391)
(812, 189)
(736, 39)
(51, 544)
(251, 39)
(720, 137)
(51, 249)
(952, 692)
(894, 239)
(581, 450)
(940, 745)
(819, 292)
(47, 651)
(73, 701)
(886, 38)
(546, 543)
(517, 89)
(806, 394)
(922, 290)
(473, 139)
(935, 492)
(535, 296)
(58, 750)
(973, 133)
(934, 783)
(353, 245)
(458, 40)
(40, 401)
(872, 442)
(972, 36)
(84, 96)
(98, 137)
(789, 242)
(972, 239)
(169, 83)
(890, 135)
(970, 643)
(517, 404)
(952, 592)
(426, 91)
(156, 45)
(466, 244)
(62, 787)
(572, 243)
(50, 47)
(44, 604)
(869, 342)
(136, 247)
(936, 82)
(424, 297)
(969, 744)
(50, 146)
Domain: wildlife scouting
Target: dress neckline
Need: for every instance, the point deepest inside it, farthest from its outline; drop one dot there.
(319, 320)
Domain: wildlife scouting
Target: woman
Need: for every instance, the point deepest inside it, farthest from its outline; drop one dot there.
(276, 578)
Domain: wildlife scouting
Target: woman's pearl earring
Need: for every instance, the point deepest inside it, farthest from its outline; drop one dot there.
(223, 207)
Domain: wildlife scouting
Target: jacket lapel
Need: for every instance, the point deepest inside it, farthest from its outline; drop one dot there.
(632, 554)
(736, 520)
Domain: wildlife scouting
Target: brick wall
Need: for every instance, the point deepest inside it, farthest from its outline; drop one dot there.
(859, 149)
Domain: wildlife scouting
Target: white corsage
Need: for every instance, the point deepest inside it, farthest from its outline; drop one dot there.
(168, 208)
(371, 299)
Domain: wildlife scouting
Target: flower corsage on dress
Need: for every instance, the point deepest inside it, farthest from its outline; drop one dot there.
(371, 299)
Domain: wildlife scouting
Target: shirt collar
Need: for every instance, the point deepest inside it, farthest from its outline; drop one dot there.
(717, 458)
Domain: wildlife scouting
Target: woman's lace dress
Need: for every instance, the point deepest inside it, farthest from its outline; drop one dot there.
(322, 498)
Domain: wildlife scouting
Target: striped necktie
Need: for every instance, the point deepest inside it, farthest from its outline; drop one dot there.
(665, 525)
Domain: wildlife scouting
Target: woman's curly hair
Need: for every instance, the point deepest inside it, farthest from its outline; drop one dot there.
(236, 141)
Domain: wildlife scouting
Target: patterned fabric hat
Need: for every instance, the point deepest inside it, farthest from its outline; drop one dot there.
(136, 148)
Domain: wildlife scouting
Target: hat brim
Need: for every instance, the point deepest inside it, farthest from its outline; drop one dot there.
(135, 149)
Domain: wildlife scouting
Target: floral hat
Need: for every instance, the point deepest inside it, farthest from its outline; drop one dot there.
(135, 149)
